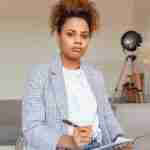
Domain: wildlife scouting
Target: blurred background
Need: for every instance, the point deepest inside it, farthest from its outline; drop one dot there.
(25, 40)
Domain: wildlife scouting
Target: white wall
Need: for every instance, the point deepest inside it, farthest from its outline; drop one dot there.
(25, 41)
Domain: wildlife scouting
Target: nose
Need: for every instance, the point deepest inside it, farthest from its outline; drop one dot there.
(77, 40)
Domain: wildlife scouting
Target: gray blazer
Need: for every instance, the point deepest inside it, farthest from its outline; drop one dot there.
(45, 105)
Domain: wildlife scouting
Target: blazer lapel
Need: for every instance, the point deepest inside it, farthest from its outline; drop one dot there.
(59, 85)
(92, 81)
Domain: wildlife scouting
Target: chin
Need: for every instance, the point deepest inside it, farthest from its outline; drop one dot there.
(75, 57)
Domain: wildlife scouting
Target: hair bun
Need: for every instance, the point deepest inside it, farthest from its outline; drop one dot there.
(64, 9)
(75, 3)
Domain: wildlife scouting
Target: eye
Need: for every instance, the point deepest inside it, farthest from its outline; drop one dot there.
(85, 36)
(69, 34)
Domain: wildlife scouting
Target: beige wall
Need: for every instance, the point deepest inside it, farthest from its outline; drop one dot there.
(23, 8)
(141, 22)
(141, 17)
(25, 41)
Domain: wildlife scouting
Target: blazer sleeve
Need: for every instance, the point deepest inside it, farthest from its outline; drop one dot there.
(111, 122)
(35, 129)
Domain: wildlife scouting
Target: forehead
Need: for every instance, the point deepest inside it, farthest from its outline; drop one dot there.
(76, 24)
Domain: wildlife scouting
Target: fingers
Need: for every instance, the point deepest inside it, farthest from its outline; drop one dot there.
(82, 135)
(85, 134)
(125, 147)
(76, 136)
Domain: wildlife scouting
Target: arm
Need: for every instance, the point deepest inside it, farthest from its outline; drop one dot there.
(111, 121)
(35, 129)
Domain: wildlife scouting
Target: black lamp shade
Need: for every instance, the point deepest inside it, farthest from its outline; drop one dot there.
(131, 40)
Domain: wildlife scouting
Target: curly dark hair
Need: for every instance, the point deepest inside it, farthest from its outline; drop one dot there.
(65, 9)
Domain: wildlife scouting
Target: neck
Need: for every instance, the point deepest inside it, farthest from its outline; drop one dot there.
(70, 63)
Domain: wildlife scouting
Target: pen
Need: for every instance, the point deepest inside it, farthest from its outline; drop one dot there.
(70, 123)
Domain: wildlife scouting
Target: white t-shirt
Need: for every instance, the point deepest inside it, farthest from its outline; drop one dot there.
(82, 105)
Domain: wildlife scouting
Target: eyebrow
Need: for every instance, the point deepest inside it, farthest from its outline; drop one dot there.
(74, 31)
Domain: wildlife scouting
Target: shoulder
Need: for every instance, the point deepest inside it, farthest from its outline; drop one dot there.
(39, 68)
(38, 72)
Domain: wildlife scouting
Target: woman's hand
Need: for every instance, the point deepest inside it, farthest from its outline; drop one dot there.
(82, 135)
(67, 141)
(125, 147)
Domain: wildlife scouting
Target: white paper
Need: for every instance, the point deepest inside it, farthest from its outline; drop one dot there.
(121, 141)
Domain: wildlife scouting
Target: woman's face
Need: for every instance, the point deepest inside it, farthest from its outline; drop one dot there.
(74, 38)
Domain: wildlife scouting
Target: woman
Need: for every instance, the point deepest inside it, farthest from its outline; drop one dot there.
(68, 89)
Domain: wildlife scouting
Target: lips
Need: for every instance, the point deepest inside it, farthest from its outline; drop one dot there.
(75, 49)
